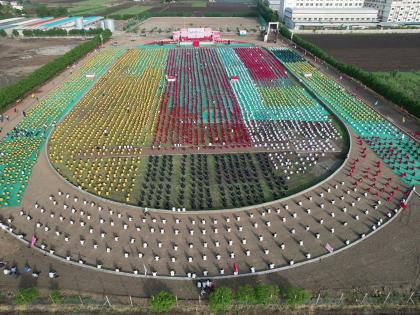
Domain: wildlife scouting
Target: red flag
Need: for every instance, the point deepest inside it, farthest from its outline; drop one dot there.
(235, 268)
(33, 240)
(329, 248)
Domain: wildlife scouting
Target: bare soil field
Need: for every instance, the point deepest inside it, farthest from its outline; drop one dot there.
(53, 1)
(195, 8)
(379, 52)
(19, 57)
(213, 22)
(210, 7)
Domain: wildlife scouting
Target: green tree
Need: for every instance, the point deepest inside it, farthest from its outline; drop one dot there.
(267, 294)
(28, 33)
(6, 11)
(264, 10)
(163, 302)
(246, 295)
(26, 296)
(15, 33)
(220, 299)
(295, 295)
(3, 33)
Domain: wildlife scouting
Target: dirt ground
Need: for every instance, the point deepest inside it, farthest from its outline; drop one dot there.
(19, 57)
(213, 22)
(388, 259)
(379, 52)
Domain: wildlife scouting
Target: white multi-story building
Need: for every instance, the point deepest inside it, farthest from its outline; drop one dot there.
(388, 11)
(396, 11)
(299, 17)
(283, 4)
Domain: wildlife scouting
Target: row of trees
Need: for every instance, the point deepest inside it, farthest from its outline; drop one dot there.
(222, 298)
(61, 32)
(14, 91)
(369, 79)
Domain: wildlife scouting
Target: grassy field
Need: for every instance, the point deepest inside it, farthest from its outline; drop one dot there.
(407, 82)
(90, 6)
(199, 4)
(134, 9)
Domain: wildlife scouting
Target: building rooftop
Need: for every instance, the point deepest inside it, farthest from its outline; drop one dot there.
(347, 10)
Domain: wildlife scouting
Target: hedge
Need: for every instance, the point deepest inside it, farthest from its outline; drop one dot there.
(14, 91)
(369, 79)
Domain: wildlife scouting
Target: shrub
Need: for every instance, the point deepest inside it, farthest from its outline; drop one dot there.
(3, 33)
(26, 296)
(220, 299)
(246, 295)
(15, 33)
(295, 295)
(28, 33)
(267, 294)
(163, 302)
(56, 297)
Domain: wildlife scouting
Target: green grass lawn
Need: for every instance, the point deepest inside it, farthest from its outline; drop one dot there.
(407, 82)
(134, 9)
(199, 4)
(89, 6)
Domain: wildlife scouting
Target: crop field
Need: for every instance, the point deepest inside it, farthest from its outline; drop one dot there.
(123, 8)
(90, 7)
(377, 52)
(228, 131)
(408, 82)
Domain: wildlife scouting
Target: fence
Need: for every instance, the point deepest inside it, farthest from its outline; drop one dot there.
(386, 297)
